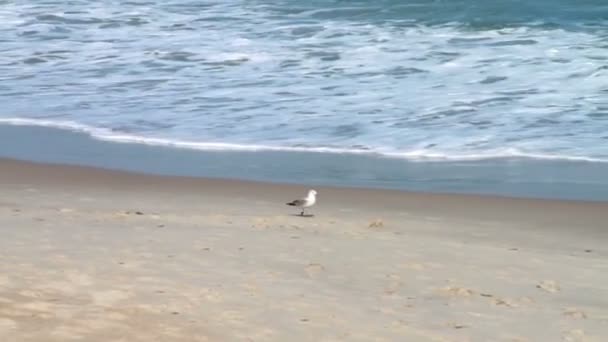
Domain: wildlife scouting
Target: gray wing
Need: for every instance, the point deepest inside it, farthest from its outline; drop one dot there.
(297, 203)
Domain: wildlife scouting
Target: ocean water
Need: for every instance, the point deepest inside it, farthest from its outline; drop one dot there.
(414, 79)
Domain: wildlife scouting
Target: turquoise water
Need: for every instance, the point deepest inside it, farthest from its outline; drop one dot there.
(420, 80)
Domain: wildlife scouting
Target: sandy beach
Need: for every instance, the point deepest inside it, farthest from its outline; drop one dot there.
(95, 255)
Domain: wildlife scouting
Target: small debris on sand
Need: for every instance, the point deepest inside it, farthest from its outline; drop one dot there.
(456, 325)
(377, 223)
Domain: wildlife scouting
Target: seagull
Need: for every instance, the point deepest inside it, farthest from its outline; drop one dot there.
(305, 202)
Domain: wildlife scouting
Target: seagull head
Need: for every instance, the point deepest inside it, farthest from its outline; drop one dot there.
(312, 193)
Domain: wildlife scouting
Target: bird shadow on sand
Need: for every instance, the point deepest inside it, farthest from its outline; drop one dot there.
(304, 216)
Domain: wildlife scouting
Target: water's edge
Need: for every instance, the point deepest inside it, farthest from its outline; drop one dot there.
(415, 155)
(512, 177)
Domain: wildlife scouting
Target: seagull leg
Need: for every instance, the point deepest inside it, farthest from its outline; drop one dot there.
(302, 213)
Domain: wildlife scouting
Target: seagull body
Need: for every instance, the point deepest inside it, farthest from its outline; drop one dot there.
(305, 202)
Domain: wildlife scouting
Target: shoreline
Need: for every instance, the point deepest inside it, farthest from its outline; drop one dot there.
(110, 136)
(543, 179)
(559, 212)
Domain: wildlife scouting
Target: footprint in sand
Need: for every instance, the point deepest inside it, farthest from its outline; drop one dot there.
(211, 295)
(416, 266)
(377, 223)
(31, 293)
(260, 223)
(548, 286)
(109, 298)
(575, 335)
(510, 303)
(67, 333)
(314, 270)
(575, 313)
(4, 281)
(78, 278)
(40, 308)
(231, 316)
(7, 325)
(393, 285)
(453, 291)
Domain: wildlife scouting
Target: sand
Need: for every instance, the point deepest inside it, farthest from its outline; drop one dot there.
(96, 255)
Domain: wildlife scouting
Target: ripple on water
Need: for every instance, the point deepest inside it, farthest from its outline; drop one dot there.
(52, 18)
(514, 42)
(34, 60)
(492, 79)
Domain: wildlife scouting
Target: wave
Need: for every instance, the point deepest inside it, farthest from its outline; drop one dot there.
(412, 155)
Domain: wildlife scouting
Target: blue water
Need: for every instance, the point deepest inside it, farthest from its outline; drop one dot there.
(418, 79)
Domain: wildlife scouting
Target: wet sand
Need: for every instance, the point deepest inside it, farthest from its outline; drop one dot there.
(96, 255)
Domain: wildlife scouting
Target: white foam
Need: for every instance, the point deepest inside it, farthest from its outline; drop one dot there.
(409, 90)
(412, 155)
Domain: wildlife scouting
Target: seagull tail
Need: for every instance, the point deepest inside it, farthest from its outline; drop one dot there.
(293, 204)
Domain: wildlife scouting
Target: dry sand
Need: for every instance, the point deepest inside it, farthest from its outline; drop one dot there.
(95, 255)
